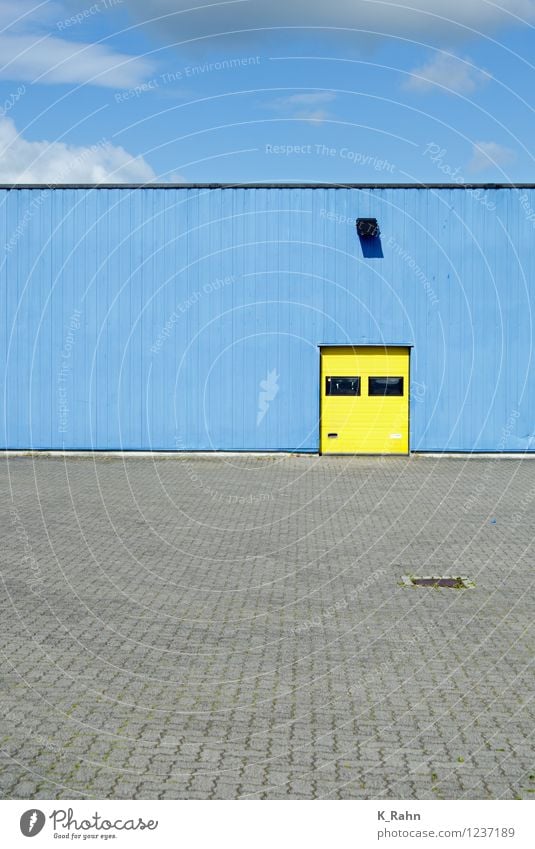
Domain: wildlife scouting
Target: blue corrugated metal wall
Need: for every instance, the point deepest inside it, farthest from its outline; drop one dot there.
(190, 318)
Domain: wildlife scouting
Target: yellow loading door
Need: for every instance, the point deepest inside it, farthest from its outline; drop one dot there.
(365, 400)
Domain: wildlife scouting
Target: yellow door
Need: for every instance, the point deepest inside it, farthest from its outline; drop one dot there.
(365, 400)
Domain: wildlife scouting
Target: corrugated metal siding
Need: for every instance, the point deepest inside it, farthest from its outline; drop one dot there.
(149, 318)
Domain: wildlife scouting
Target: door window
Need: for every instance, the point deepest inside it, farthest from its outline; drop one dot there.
(385, 386)
(342, 386)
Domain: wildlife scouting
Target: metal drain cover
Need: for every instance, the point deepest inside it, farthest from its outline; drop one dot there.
(454, 583)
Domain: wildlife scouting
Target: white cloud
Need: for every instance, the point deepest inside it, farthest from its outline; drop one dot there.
(445, 19)
(307, 106)
(23, 161)
(313, 116)
(487, 155)
(446, 72)
(28, 51)
(17, 13)
(309, 98)
(55, 60)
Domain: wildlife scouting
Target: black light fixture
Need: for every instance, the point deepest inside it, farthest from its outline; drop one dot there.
(368, 228)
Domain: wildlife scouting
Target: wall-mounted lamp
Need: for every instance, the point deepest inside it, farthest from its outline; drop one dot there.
(368, 228)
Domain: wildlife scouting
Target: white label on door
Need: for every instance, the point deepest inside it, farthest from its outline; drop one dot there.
(395, 436)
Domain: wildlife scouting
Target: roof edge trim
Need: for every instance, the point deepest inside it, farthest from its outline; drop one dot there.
(206, 186)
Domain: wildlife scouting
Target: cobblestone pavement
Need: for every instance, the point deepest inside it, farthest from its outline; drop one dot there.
(236, 628)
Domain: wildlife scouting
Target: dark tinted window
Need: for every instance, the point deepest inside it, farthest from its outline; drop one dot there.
(385, 386)
(342, 386)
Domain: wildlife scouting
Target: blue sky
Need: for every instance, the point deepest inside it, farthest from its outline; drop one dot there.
(254, 91)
